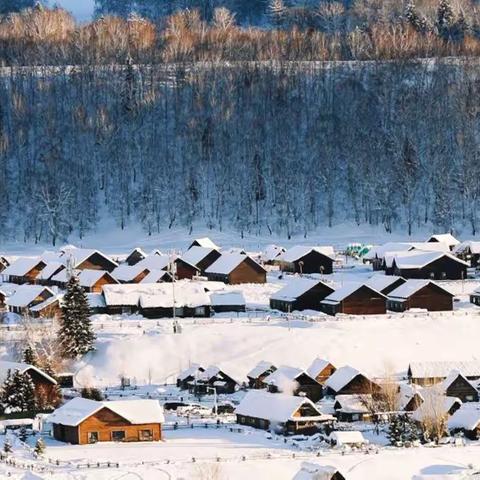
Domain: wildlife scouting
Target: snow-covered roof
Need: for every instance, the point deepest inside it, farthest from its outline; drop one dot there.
(299, 251)
(187, 294)
(466, 417)
(155, 262)
(227, 298)
(137, 250)
(81, 254)
(127, 273)
(422, 259)
(435, 403)
(195, 255)
(271, 252)
(49, 270)
(154, 276)
(295, 288)
(206, 242)
(192, 370)
(343, 292)
(47, 303)
(341, 377)
(441, 369)
(380, 251)
(227, 262)
(380, 281)
(25, 294)
(471, 245)
(260, 368)
(346, 438)
(407, 392)
(5, 366)
(96, 300)
(353, 403)
(314, 471)
(275, 407)
(447, 238)
(452, 376)
(22, 266)
(88, 278)
(136, 412)
(283, 375)
(411, 287)
(430, 246)
(317, 367)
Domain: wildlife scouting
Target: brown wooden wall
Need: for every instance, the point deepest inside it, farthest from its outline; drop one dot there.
(97, 262)
(431, 298)
(463, 390)
(208, 260)
(312, 263)
(104, 280)
(444, 268)
(360, 385)
(184, 270)
(325, 374)
(246, 272)
(364, 302)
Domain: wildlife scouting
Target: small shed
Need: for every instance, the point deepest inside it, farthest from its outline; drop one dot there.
(352, 408)
(135, 256)
(307, 259)
(300, 294)
(348, 439)
(314, 471)
(446, 238)
(257, 375)
(349, 381)
(82, 421)
(227, 302)
(235, 268)
(355, 299)
(423, 294)
(466, 420)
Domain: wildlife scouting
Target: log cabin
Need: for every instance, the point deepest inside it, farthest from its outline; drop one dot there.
(257, 375)
(456, 385)
(204, 242)
(222, 302)
(130, 273)
(349, 381)
(185, 270)
(82, 421)
(290, 379)
(45, 386)
(321, 370)
(423, 294)
(235, 268)
(384, 283)
(430, 265)
(23, 270)
(26, 297)
(87, 259)
(201, 257)
(93, 281)
(213, 378)
(466, 420)
(468, 252)
(446, 238)
(353, 408)
(135, 256)
(189, 375)
(304, 259)
(354, 299)
(300, 294)
(284, 414)
(430, 373)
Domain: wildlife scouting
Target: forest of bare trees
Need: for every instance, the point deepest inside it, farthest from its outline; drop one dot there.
(118, 117)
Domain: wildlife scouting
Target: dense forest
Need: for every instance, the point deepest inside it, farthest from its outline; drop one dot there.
(260, 146)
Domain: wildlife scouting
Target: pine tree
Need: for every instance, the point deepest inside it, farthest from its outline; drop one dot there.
(76, 334)
(39, 447)
(401, 430)
(30, 356)
(277, 12)
(445, 19)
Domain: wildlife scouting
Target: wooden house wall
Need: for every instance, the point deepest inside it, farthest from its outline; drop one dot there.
(312, 263)
(325, 374)
(431, 298)
(208, 260)
(65, 433)
(463, 390)
(310, 387)
(310, 300)
(97, 262)
(184, 270)
(444, 268)
(247, 272)
(97, 287)
(134, 258)
(360, 385)
(363, 302)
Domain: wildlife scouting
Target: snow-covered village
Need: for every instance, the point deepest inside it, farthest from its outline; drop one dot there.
(239, 239)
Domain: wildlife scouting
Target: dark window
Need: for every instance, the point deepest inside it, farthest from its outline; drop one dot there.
(92, 437)
(118, 435)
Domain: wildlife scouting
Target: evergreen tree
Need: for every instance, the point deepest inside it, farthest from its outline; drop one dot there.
(92, 394)
(445, 19)
(411, 15)
(7, 446)
(30, 356)
(76, 334)
(277, 12)
(18, 392)
(402, 429)
(39, 447)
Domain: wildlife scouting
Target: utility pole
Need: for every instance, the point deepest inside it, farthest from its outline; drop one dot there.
(173, 271)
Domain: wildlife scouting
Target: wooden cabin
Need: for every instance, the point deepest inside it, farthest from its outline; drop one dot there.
(303, 259)
(222, 302)
(285, 414)
(26, 297)
(300, 294)
(201, 257)
(213, 378)
(430, 265)
(235, 268)
(384, 283)
(23, 270)
(430, 373)
(130, 273)
(290, 379)
(88, 259)
(376, 255)
(456, 385)
(321, 370)
(446, 238)
(354, 299)
(257, 375)
(204, 242)
(468, 252)
(93, 281)
(466, 420)
(423, 294)
(52, 269)
(353, 408)
(135, 256)
(189, 375)
(349, 381)
(82, 421)
(45, 386)
(185, 270)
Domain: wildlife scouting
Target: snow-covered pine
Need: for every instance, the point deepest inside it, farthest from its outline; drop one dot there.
(30, 356)
(76, 334)
(18, 392)
(39, 447)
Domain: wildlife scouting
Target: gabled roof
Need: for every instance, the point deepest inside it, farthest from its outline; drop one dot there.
(88, 278)
(447, 238)
(126, 273)
(25, 294)
(341, 378)
(317, 367)
(299, 251)
(155, 262)
(410, 287)
(379, 251)
(193, 369)
(22, 368)
(452, 376)
(467, 417)
(272, 252)
(260, 369)
(275, 407)
(435, 403)
(82, 254)
(187, 294)
(422, 259)
(430, 247)
(156, 276)
(137, 250)
(228, 262)
(136, 412)
(194, 255)
(296, 288)
(47, 303)
(471, 245)
(50, 269)
(22, 266)
(283, 375)
(206, 242)
(441, 369)
(352, 403)
(380, 281)
(348, 289)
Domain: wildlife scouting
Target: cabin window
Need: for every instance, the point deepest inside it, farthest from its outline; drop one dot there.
(92, 437)
(355, 417)
(200, 311)
(145, 435)
(469, 398)
(118, 435)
